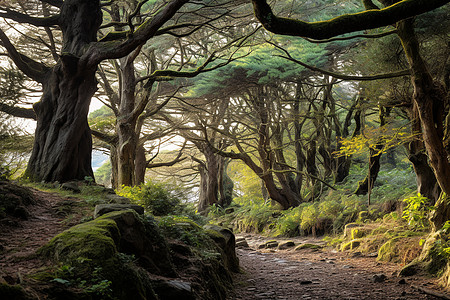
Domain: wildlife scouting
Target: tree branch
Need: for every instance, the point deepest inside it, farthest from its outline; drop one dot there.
(19, 112)
(115, 49)
(109, 139)
(57, 3)
(368, 19)
(23, 18)
(30, 67)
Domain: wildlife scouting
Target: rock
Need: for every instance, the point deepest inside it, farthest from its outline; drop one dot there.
(71, 186)
(379, 278)
(142, 239)
(227, 242)
(286, 245)
(308, 246)
(114, 198)
(271, 244)
(242, 244)
(102, 209)
(173, 290)
(389, 250)
(14, 199)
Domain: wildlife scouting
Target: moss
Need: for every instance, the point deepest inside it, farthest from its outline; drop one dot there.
(357, 233)
(94, 240)
(308, 246)
(353, 244)
(389, 250)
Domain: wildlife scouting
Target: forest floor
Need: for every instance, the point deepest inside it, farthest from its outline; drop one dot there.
(267, 274)
(323, 274)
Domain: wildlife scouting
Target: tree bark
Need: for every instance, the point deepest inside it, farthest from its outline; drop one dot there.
(63, 143)
(429, 98)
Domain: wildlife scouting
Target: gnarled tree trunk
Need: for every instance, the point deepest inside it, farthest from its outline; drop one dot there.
(63, 143)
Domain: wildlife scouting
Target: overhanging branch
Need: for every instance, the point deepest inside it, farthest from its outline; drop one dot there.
(348, 23)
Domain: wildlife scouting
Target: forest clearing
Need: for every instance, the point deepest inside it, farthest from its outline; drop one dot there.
(217, 149)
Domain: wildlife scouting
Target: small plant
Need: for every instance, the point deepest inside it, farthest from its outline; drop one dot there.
(417, 211)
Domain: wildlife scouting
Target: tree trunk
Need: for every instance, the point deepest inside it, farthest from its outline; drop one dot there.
(429, 97)
(367, 185)
(140, 165)
(126, 124)
(203, 190)
(63, 143)
(225, 184)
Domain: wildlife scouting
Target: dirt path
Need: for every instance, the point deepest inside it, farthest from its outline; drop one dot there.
(321, 274)
(21, 238)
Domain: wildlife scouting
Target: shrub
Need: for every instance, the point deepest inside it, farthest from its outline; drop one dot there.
(158, 198)
(417, 211)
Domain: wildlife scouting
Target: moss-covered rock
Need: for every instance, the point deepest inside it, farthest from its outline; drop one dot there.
(353, 244)
(308, 246)
(94, 241)
(14, 199)
(226, 240)
(389, 250)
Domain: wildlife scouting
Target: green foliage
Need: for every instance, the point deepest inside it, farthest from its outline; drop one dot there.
(184, 229)
(417, 211)
(309, 217)
(95, 284)
(102, 119)
(157, 198)
(103, 173)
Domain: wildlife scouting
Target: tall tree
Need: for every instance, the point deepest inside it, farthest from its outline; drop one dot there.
(63, 143)
(428, 94)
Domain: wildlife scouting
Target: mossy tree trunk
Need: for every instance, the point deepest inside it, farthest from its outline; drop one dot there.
(429, 98)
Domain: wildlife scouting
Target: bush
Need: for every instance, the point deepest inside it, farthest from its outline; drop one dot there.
(158, 198)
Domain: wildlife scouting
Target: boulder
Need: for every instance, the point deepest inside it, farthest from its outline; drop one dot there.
(14, 199)
(102, 209)
(71, 186)
(242, 243)
(227, 242)
(286, 245)
(174, 290)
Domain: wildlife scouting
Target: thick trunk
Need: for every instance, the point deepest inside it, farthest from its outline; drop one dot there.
(114, 167)
(140, 165)
(203, 190)
(225, 184)
(63, 142)
(427, 184)
(209, 184)
(429, 98)
(126, 124)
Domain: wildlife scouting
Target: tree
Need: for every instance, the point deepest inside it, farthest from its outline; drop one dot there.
(63, 143)
(428, 94)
